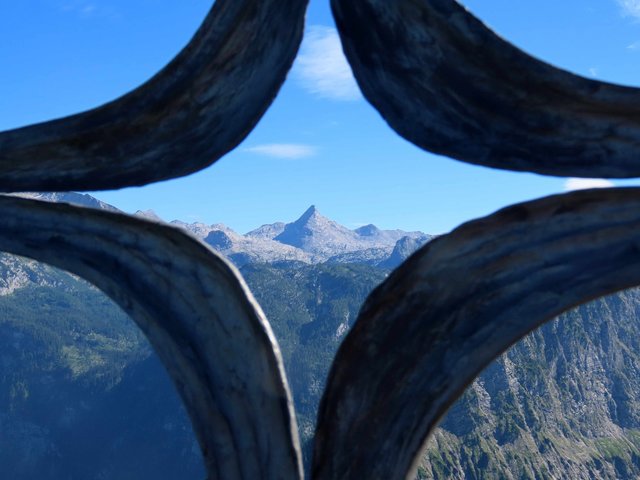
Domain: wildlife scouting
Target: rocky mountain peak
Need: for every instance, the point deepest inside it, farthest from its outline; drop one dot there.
(317, 234)
(149, 215)
(219, 240)
(312, 238)
(404, 248)
(82, 199)
(312, 218)
(368, 230)
(310, 212)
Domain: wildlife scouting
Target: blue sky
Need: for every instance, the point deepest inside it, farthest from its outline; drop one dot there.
(320, 143)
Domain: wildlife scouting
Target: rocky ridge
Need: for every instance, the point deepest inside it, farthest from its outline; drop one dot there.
(564, 403)
(312, 238)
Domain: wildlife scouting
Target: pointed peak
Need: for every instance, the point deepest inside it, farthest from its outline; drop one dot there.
(312, 211)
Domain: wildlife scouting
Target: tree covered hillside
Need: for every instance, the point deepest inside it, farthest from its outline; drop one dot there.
(83, 397)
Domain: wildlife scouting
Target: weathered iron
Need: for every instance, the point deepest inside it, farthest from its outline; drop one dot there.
(443, 81)
(454, 306)
(196, 109)
(199, 316)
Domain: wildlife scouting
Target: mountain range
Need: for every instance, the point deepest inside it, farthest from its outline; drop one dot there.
(312, 238)
(83, 397)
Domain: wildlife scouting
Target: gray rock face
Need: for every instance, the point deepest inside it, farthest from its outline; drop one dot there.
(19, 272)
(318, 235)
(269, 231)
(562, 403)
(326, 240)
(242, 249)
(312, 238)
(403, 249)
(82, 199)
(370, 256)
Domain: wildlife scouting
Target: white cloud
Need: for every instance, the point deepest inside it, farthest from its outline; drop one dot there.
(630, 7)
(635, 46)
(322, 68)
(593, 71)
(88, 9)
(283, 150)
(586, 183)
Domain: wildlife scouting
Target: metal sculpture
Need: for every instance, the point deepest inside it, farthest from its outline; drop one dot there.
(198, 315)
(446, 83)
(196, 109)
(452, 308)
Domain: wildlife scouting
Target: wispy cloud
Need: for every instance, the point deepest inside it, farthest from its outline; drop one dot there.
(87, 8)
(284, 150)
(586, 183)
(634, 47)
(593, 71)
(321, 67)
(630, 7)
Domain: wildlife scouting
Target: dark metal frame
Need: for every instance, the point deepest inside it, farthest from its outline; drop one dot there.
(442, 80)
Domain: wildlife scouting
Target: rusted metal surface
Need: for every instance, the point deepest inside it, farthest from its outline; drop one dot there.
(199, 316)
(196, 109)
(450, 309)
(447, 83)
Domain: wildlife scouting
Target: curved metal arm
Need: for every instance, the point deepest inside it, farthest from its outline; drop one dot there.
(197, 313)
(445, 82)
(453, 307)
(196, 109)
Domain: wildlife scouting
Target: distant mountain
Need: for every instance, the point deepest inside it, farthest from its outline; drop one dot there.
(269, 231)
(326, 240)
(318, 235)
(73, 198)
(149, 215)
(243, 249)
(17, 273)
(82, 396)
(403, 249)
(312, 238)
(323, 238)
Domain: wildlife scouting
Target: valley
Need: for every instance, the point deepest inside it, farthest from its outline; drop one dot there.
(83, 397)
